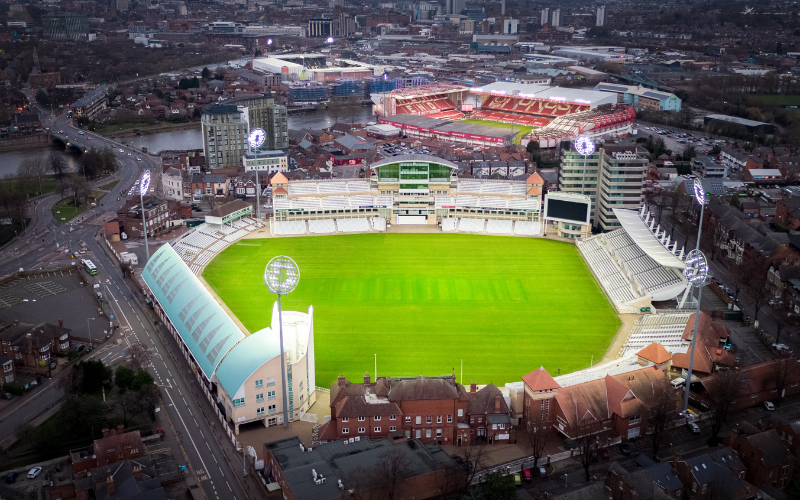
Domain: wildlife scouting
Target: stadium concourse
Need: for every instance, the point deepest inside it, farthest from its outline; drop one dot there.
(635, 265)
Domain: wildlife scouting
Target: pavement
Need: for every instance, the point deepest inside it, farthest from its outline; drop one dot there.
(204, 448)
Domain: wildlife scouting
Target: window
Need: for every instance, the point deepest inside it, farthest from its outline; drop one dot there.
(408, 420)
(438, 419)
(472, 420)
(480, 419)
(361, 430)
(270, 382)
(345, 419)
(259, 384)
(377, 417)
(238, 402)
(635, 419)
(449, 419)
(501, 426)
(438, 433)
(427, 433)
(377, 429)
(418, 433)
(345, 430)
(271, 394)
(419, 420)
(754, 395)
(428, 419)
(259, 398)
(301, 385)
(392, 428)
(460, 412)
(694, 487)
(621, 484)
(260, 412)
(392, 417)
(271, 408)
(361, 419)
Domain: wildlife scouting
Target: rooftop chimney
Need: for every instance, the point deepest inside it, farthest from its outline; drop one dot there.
(105, 433)
(61, 323)
(473, 387)
(341, 381)
(366, 378)
(137, 471)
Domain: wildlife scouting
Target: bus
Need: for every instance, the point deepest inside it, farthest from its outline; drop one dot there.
(90, 267)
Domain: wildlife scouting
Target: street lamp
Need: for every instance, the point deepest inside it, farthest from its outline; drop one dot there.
(281, 277)
(144, 186)
(89, 330)
(696, 272)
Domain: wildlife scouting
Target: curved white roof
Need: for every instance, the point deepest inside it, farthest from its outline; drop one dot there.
(645, 239)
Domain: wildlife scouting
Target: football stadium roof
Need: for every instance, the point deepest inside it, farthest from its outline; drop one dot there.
(204, 326)
(645, 239)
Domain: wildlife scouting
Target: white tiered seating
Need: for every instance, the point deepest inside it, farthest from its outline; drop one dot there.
(324, 226)
(352, 225)
(290, 227)
(449, 224)
(526, 228)
(471, 225)
(499, 226)
(378, 223)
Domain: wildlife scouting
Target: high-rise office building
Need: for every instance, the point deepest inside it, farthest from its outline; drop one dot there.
(601, 16)
(320, 27)
(612, 176)
(225, 128)
(545, 16)
(65, 25)
(454, 6)
(555, 21)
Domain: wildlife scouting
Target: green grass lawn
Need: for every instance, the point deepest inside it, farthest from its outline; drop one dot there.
(777, 99)
(64, 210)
(424, 302)
(523, 129)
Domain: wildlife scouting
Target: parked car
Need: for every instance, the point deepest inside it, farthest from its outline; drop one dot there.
(517, 479)
(769, 406)
(34, 472)
(625, 449)
(12, 477)
(6, 395)
(542, 471)
(693, 427)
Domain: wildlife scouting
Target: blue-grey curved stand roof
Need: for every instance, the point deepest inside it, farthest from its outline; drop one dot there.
(202, 323)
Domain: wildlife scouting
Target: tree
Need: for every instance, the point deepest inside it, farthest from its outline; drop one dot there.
(82, 414)
(662, 412)
(723, 389)
(141, 380)
(79, 187)
(498, 486)
(391, 470)
(755, 289)
(782, 370)
(475, 458)
(93, 376)
(587, 440)
(123, 377)
(533, 149)
(139, 357)
(536, 435)
(206, 74)
(127, 406)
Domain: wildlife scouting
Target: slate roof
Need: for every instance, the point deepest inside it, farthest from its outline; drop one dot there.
(229, 208)
(483, 401)
(707, 350)
(770, 443)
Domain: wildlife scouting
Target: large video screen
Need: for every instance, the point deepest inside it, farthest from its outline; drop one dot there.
(567, 211)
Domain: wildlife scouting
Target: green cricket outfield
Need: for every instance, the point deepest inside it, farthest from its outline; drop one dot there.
(425, 302)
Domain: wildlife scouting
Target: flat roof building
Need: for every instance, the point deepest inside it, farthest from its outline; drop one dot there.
(641, 97)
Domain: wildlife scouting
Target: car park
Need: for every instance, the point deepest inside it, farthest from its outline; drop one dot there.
(34, 472)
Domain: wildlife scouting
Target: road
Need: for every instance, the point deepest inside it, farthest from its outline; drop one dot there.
(208, 458)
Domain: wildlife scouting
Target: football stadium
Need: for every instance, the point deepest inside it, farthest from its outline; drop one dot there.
(503, 113)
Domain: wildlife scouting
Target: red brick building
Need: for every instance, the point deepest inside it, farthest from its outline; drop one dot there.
(708, 351)
(539, 400)
(115, 446)
(32, 346)
(431, 409)
(762, 382)
(765, 456)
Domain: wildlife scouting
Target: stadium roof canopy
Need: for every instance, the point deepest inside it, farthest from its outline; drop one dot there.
(579, 96)
(645, 239)
(204, 326)
(391, 160)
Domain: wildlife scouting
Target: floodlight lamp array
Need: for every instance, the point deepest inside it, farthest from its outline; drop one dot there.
(696, 270)
(699, 192)
(281, 275)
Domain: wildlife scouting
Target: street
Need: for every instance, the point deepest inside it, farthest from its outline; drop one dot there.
(199, 437)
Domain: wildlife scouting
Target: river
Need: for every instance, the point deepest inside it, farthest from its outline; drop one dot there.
(178, 139)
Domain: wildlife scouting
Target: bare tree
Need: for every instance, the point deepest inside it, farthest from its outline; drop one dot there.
(782, 370)
(780, 313)
(756, 286)
(391, 470)
(139, 357)
(661, 414)
(26, 172)
(536, 435)
(127, 406)
(587, 440)
(80, 189)
(451, 482)
(475, 458)
(56, 164)
(723, 388)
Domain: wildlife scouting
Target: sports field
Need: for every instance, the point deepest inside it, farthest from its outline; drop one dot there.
(424, 302)
(523, 129)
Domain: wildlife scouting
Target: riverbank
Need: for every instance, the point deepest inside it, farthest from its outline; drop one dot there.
(131, 129)
(25, 142)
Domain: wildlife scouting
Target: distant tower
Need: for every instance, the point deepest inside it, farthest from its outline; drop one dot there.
(601, 16)
(556, 21)
(545, 16)
(503, 17)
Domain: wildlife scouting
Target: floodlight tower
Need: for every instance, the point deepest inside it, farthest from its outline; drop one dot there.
(144, 186)
(281, 277)
(696, 272)
(255, 139)
(700, 196)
